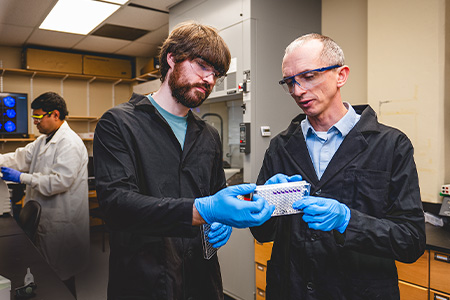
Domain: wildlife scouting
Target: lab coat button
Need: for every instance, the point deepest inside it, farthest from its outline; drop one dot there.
(310, 286)
(314, 237)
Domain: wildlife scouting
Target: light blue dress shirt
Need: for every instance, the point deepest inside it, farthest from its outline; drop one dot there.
(323, 145)
(177, 123)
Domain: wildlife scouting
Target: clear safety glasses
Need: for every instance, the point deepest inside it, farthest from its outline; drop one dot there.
(202, 69)
(38, 118)
(306, 80)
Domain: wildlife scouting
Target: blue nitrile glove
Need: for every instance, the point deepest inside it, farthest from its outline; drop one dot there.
(224, 207)
(219, 234)
(323, 213)
(281, 178)
(11, 174)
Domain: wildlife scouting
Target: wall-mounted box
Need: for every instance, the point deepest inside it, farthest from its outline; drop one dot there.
(52, 61)
(106, 66)
(152, 66)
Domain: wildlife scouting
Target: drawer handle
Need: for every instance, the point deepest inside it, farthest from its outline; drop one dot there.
(439, 297)
(260, 267)
(442, 257)
(260, 292)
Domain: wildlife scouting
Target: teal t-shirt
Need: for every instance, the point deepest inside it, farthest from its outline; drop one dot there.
(177, 123)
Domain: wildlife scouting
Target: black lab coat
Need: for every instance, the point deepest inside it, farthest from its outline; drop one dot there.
(146, 186)
(374, 174)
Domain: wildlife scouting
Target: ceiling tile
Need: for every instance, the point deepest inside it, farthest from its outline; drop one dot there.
(119, 32)
(139, 49)
(54, 38)
(19, 21)
(157, 4)
(100, 44)
(12, 35)
(138, 18)
(155, 37)
(24, 12)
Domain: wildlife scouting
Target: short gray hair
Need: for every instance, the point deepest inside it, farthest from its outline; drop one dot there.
(331, 53)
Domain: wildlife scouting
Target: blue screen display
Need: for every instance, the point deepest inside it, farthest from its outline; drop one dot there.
(13, 115)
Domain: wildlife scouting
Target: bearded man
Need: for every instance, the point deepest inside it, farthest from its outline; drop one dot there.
(159, 175)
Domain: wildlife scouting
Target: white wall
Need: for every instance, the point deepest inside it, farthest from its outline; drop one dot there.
(396, 53)
(406, 59)
(345, 21)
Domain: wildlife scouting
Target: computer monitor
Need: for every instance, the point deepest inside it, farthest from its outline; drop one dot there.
(13, 115)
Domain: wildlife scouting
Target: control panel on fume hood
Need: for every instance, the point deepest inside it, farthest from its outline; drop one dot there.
(244, 139)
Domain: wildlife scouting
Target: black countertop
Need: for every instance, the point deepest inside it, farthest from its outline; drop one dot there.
(438, 238)
(17, 253)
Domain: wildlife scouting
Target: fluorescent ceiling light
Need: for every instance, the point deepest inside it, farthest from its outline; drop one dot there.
(78, 16)
(116, 1)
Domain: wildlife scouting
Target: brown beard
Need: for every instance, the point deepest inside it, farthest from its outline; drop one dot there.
(181, 91)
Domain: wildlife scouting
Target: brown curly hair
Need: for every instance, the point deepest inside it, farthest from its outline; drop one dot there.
(189, 40)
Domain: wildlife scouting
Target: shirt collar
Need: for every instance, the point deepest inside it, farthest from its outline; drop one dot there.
(344, 125)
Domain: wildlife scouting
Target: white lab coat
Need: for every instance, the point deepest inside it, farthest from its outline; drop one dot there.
(56, 176)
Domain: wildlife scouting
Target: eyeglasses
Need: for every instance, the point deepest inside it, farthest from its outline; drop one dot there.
(306, 80)
(39, 118)
(202, 69)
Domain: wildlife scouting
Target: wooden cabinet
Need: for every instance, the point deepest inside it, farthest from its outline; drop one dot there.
(427, 278)
(440, 271)
(412, 292)
(436, 295)
(263, 252)
(414, 278)
(260, 294)
(260, 275)
(262, 255)
(428, 275)
(415, 273)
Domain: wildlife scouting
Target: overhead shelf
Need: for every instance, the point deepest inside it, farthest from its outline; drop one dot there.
(30, 139)
(32, 73)
(148, 76)
(82, 118)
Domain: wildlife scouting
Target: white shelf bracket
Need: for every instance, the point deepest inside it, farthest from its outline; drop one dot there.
(62, 84)
(1, 80)
(114, 92)
(30, 126)
(88, 101)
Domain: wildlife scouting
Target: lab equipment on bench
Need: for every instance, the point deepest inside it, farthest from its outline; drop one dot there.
(5, 288)
(283, 195)
(445, 190)
(28, 288)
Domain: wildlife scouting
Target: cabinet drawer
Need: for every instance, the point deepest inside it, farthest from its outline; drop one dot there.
(435, 295)
(260, 272)
(263, 252)
(439, 271)
(417, 272)
(410, 291)
(260, 294)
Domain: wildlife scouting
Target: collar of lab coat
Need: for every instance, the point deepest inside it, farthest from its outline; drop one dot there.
(58, 135)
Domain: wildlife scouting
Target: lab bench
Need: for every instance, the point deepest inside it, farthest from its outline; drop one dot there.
(17, 253)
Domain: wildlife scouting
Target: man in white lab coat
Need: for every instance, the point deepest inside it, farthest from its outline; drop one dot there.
(54, 169)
